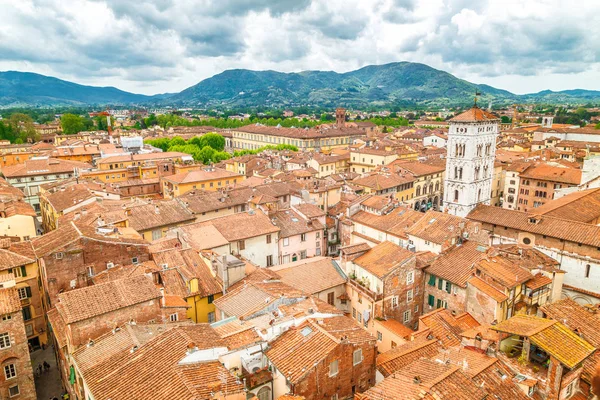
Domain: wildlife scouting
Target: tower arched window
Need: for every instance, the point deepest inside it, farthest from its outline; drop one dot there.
(479, 196)
(460, 170)
(455, 172)
(456, 195)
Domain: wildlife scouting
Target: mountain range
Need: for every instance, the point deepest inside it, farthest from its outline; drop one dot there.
(400, 83)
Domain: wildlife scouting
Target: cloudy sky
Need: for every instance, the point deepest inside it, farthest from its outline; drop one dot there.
(156, 46)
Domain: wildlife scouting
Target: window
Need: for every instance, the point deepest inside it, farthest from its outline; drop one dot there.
(430, 300)
(173, 317)
(303, 237)
(303, 254)
(19, 272)
(394, 301)
(526, 240)
(409, 295)
(394, 345)
(211, 298)
(211, 317)
(24, 292)
(431, 281)
(448, 287)
(333, 368)
(353, 312)
(587, 270)
(241, 245)
(26, 313)
(13, 391)
(416, 308)
(331, 298)
(268, 238)
(10, 371)
(440, 283)
(134, 260)
(286, 241)
(4, 340)
(406, 316)
(6, 317)
(156, 234)
(357, 357)
(410, 278)
(269, 261)
(359, 317)
(379, 336)
(29, 330)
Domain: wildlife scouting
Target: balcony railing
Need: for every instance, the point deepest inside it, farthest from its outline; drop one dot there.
(364, 290)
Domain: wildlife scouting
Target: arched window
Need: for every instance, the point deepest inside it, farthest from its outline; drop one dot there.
(479, 196)
(264, 393)
(460, 173)
(456, 195)
(437, 186)
(418, 191)
(431, 188)
(455, 172)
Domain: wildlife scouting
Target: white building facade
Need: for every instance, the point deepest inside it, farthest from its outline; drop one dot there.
(470, 161)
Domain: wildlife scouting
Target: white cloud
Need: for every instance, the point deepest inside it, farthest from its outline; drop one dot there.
(156, 46)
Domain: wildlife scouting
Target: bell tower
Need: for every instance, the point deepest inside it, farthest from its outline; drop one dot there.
(340, 117)
(471, 151)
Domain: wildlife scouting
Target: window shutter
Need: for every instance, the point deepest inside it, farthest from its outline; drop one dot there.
(24, 271)
(28, 291)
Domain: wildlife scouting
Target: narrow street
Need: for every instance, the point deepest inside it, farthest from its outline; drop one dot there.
(49, 384)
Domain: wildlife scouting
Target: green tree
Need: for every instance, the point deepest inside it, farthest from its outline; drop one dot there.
(215, 141)
(206, 154)
(72, 124)
(505, 119)
(22, 126)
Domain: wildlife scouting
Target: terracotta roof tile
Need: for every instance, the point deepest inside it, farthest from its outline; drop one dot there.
(9, 301)
(84, 303)
(240, 226)
(202, 175)
(489, 290)
(572, 231)
(396, 222)
(581, 206)
(401, 356)
(311, 275)
(297, 350)
(43, 166)
(457, 265)
(475, 114)
(383, 258)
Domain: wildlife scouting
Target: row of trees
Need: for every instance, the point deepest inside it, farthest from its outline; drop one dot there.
(207, 149)
(279, 147)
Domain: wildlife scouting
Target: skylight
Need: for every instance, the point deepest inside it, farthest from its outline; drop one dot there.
(306, 331)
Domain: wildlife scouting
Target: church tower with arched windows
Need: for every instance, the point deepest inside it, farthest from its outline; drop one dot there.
(471, 151)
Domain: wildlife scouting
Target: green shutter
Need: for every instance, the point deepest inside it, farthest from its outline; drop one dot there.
(448, 287)
(431, 280)
(72, 375)
(431, 300)
(440, 283)
(24, 271)
(439, 303)
(28, 291)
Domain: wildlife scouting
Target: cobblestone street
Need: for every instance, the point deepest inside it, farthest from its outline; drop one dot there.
(49, 384)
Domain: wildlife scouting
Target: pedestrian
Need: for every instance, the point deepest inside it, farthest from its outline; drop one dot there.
(46, 367)
(38, 370)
